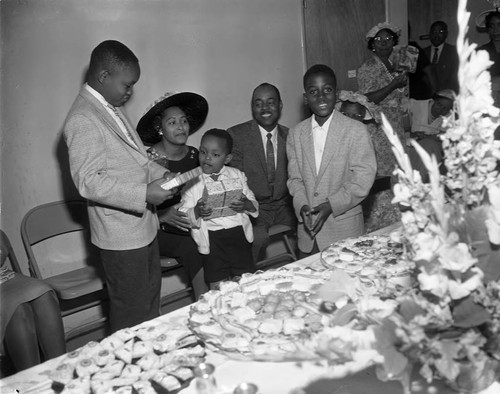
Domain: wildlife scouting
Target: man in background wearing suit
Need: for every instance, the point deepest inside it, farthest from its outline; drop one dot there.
(110, 168)
(331, 167)
(259, 151)
(443, 57)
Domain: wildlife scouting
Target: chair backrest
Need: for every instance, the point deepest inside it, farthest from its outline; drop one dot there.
(6, 252)
(51, 220)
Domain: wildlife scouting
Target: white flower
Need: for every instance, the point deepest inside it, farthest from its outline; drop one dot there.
(426, 246)
(460, 290)
(436, 283)
(456, 257)
(493, 221)
(373, 308)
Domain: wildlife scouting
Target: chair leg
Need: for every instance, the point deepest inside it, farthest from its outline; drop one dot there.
(289, 247)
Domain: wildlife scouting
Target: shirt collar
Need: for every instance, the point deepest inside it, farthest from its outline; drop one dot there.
(221, 173)
(97, 95)
(264, 132)
(326, 125)
(440, 47)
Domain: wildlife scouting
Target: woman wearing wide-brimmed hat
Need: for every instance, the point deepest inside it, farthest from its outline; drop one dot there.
(490, 22)
(166, 126)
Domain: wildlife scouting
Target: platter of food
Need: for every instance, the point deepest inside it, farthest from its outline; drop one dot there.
(373, 257)
(148, 359)
(266, 316)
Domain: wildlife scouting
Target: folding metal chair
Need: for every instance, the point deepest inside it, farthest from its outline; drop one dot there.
(283, 258)
(7, 253)
(75, 276)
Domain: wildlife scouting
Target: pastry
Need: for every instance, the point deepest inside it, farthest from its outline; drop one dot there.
(124, 390)
(125, 334)
(167, 381)
(86, 367)
(77, 386)
(63, 373)
(101, 386)
(131, 371)
(182, 373)
(114, 367)
(143, 387)
(149, 361)
(141, 348)
(124, 352)
(103, 357)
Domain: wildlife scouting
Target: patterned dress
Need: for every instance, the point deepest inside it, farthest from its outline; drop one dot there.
(372, 76)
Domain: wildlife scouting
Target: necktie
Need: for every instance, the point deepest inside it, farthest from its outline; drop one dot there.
(121, 117)
(271, 171)
(215, 177)
(435, 56)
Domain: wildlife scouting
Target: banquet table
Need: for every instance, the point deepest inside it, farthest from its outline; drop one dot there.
(305, 377)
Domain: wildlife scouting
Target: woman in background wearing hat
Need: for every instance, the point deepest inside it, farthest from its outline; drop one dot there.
(384, 85)
(378, 210)
(166, 126)
(490, 20)
(380, 80)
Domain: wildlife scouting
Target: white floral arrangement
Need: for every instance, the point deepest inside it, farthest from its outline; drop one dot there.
(450, 323)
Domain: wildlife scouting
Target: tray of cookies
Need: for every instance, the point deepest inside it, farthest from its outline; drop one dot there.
(266, 316)
(152, 359)
(373, 257)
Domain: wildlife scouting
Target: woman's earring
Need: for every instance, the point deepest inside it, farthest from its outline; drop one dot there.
(160, 132)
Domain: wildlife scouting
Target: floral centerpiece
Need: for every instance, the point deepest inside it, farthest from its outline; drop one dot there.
(449, 324)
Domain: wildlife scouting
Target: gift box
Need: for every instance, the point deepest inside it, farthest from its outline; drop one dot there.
(181, 179)
(404, 58)
(218, 195)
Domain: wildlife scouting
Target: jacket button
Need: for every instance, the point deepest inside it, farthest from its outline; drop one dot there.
(316, 194)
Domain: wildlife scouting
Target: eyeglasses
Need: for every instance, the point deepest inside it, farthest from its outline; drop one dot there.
(386, 38)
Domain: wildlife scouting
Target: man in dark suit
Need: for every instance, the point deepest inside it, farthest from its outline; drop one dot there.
(260, 152)
(443, 56)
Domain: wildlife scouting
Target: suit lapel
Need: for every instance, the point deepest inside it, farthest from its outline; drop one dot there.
(307, 142)
(108, 119)
(331, 144)
(258, 147)
(281, 148)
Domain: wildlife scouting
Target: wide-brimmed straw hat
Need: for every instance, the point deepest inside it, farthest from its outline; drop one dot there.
(356, 97)
(381, 26)
(481, 18)
(194, 105)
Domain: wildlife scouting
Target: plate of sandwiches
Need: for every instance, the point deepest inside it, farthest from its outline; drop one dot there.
(266, 316)
(372, 257)
(149, 359)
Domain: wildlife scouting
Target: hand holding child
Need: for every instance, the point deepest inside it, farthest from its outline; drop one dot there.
(175, 218)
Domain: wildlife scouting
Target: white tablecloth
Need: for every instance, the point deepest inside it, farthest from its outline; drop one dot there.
(271, 378)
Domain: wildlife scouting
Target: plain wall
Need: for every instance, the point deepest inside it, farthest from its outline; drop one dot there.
(221, 49)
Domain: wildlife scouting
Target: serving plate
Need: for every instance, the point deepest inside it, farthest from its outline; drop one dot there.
(370, 257)
(266, 316)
